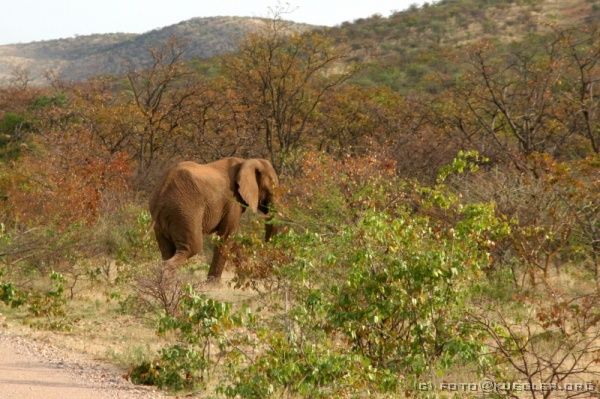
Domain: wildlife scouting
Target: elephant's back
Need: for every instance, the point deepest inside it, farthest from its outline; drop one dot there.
(173, 192)
(186, 189)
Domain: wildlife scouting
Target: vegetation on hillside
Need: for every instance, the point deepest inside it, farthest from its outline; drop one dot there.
(407, 50)
(443, 228)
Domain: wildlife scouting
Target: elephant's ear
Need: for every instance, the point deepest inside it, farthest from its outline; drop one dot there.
(269, 171)
(247, 183)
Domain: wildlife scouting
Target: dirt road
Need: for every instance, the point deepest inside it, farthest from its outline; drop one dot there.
(30, 370)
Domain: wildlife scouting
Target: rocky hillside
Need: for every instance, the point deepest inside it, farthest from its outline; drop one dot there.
(84, 56)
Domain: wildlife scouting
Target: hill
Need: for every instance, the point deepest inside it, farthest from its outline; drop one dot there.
(405, 51)
(401, 51)
(80, 57)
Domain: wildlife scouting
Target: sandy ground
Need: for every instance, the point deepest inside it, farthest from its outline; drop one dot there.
(43, 365)
(30, 370)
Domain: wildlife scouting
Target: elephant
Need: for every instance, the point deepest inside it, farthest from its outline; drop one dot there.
(195, 199)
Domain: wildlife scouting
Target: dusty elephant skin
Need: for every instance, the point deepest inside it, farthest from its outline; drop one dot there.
(194, 199)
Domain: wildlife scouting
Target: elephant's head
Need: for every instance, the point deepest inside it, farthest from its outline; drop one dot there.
(256, 182)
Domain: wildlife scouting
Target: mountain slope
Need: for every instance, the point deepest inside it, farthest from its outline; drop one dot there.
(84, 56)
(405, 50)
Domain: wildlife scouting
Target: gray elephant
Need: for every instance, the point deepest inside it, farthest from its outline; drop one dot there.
(194, 199)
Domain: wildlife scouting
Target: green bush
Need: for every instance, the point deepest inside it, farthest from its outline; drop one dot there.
(402, 303)
(388, 285)
(56, 100)
(50, 302)
(129, 236)
(307, 369)
(178, 367)
(10, 295)
(200, 326)
(49, 307)
(11, 122)
(12, 139)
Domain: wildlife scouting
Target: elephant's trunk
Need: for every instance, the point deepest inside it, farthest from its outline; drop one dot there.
(270, 228)
(273, 225)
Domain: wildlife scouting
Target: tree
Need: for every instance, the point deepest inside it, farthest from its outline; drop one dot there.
(514, 99)
(536, 96)
(279, 78)
(352, 119)
(164, 95)
(583, 54)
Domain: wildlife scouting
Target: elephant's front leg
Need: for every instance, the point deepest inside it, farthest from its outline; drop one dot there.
(226, 229)
(219, 259)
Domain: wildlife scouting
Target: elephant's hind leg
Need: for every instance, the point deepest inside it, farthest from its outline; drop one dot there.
(165, 245)
(177, 260)
(186, 246)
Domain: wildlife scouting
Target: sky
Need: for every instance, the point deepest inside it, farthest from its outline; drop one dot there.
(24, 21)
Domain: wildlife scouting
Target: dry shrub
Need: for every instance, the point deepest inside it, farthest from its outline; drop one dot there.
(160, 287)
(322, 175)
(422, 152)
(552, 339)
(54, 192)
(353, 118)
(16, 98)
(67, 180)
(255, 263)
(411, 130)
(554, 213)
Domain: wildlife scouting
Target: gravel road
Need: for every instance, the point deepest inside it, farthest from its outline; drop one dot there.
(31, 369)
